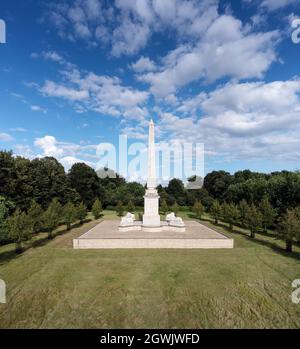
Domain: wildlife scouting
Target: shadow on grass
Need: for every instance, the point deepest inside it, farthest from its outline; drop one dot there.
(8, 255)
(272, 245)
(43, 241)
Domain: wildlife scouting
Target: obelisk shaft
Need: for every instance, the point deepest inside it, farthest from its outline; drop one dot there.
(151, 182)
(151, 217)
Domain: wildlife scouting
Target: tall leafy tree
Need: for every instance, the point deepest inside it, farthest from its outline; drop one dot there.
(50, 181)
(216, 183)
(120, 208)
(244, 208)
(290, 228)
(5, 208)
(175, 208)
(198, 209)
(7, 174)
(216, 211)
(230, 214)
(130, 206)
(176, 189)
(81, 212)
(268, 213)
(97, 209)
(35, 214)
(254, 220)
(85, 181)
(52, 217)
(164, 207)
(69, 214)
(19, 228)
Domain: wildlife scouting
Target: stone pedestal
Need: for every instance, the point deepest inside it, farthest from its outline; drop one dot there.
(151, 217)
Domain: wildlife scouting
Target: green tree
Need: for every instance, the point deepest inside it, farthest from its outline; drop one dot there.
(176, 190)
(69, 214)
(289, 228)
(198, 209)
(81, 212)
(85, 181)
(97, 209)
(216, 211)
(268, 213)
(120, 208)
(230, 214)
(7, 174)
(49, 181)
(130, 206)
(52, 217)
(5, 207)
(35, 214)
(254, 220)
(216, 183)
(19, 228)
(244, 208)
(164, 207)
(175, 208)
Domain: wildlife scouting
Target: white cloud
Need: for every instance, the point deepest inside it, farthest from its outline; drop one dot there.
(37, 108)
(5, 137)
(18, 129)
(127, 25)
(225, 50)
(24, 150)
(50, 146)
(66, 153)
(241, 121)
(144, 64)
(52, 89)
(129, 37)
(100, 93)
(69, 161)
(53, 56)
(276, 4)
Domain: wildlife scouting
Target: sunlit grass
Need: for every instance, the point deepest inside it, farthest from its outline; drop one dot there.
(53, 286)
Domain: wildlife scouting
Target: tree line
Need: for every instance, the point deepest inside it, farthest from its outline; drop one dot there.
(43, 183)
(256, 219)
(21, 226)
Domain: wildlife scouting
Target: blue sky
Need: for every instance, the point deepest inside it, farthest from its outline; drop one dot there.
(77, 73)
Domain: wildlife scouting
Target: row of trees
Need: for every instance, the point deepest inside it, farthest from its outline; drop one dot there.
(22, 225)
(255, 218)
(281, 188)
(44, 179)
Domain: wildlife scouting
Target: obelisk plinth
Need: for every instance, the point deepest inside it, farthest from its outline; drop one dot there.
(151, 217)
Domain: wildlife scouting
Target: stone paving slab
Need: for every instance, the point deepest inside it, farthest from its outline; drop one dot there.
(197, 235)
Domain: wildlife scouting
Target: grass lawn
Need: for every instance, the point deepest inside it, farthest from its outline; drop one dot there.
(53, 286)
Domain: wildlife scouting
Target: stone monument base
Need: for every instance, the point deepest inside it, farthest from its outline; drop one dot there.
(107, 236)
(139, 226)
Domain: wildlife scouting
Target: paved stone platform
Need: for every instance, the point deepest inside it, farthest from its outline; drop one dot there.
(106, 236)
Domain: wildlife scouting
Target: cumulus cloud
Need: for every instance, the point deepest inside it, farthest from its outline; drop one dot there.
(49, 146)
(37, 108)
(5, 137)
(53, 89)
(226, 50)
(69, 161)
(66, 153)
(241, 120)
(128, 25)
(276, 4)
(103, 94)
(144, 64)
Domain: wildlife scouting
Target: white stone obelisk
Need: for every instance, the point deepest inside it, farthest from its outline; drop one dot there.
(151, 217)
